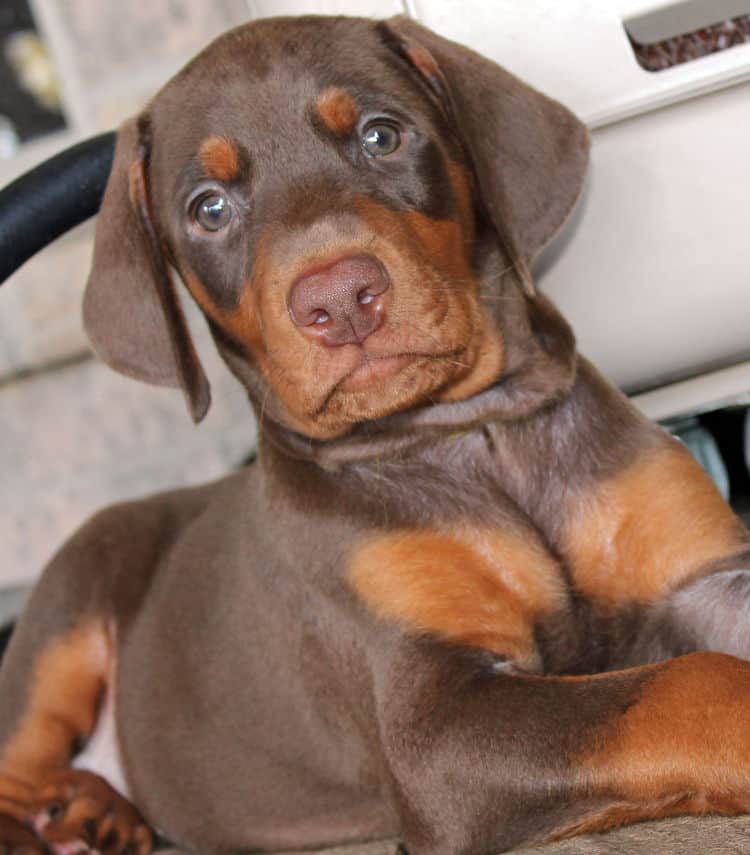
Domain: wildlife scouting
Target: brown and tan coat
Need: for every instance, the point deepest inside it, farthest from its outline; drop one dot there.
(444, 603)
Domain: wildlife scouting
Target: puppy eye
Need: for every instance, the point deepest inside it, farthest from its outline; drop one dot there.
(213, 212)
(381, 139)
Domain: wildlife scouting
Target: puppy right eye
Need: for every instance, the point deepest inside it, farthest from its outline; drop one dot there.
(213, 212)
(381, 139)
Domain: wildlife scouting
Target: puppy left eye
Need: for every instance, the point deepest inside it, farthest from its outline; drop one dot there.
(381, 139)
(213, 212)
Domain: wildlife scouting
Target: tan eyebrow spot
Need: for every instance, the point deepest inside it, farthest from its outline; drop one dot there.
(337, 109)
(219, 158)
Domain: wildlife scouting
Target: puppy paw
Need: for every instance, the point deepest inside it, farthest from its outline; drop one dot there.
(77, 812)
(17, 839)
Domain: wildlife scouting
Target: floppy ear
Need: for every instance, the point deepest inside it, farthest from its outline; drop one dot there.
(528, 152)
(130, 309)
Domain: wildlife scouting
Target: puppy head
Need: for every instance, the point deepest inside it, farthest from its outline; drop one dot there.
(330, 192)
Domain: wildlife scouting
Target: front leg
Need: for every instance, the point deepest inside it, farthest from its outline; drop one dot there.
(484, 754)
(657, 541)
(710, 613)
(51, 690)
(483, 758)
(17, 836)
(46, 806)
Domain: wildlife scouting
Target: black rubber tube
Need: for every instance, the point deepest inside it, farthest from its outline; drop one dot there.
(51, 199)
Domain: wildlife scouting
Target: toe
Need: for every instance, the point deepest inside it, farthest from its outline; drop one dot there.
(17, 839)
(79, 812)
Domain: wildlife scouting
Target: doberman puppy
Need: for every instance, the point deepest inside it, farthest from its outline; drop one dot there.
(444, 604)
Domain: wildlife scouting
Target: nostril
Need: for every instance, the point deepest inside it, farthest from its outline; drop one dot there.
(340, 302)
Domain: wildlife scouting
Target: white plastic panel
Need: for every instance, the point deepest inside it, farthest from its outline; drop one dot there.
(578, 51)
(712, 391)
(363, 8)
(656, 277)
(650, 21)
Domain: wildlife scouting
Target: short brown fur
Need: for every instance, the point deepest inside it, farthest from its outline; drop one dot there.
(362, 592)
(15, 797)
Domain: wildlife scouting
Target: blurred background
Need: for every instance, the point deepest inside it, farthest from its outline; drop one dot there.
(653, 269)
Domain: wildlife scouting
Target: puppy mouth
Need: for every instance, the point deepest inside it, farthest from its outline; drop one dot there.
(380, 385)
(372, 373)
(372, 370)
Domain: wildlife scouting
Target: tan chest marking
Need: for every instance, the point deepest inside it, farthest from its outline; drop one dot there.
(642, 533)
(482, 588)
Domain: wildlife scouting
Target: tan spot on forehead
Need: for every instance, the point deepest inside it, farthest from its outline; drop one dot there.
(219, 158)
(337, 109)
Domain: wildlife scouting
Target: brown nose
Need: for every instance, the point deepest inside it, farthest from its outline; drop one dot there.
(341, 303)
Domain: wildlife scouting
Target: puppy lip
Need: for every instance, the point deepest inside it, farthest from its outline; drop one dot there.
(392, 364)
(375, 368)
(372, 370)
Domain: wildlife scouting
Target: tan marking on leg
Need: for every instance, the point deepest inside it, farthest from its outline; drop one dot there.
(14, 790)
(64, 695)
(16, 798)
(685, 732)
(649, 529)
(627, 813)
(220, 159)
(481, 588)
(338, 110)
(682, 748)
(37, 786)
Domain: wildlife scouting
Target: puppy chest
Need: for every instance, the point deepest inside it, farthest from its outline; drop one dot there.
(487, 588)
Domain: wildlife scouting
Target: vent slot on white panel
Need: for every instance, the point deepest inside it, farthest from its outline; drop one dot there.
(676, 33)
